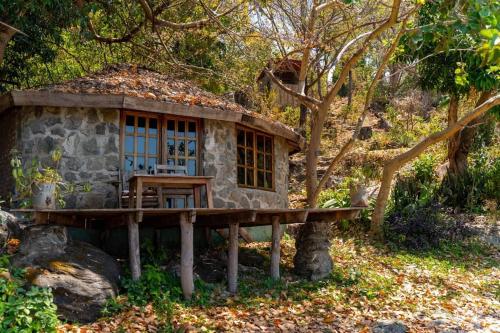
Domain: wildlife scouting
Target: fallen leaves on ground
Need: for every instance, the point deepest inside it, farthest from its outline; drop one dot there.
(430, 292)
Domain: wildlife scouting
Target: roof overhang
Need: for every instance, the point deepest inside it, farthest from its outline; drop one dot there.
(113, 101)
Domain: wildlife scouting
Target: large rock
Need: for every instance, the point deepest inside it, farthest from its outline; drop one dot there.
(312, 259)
(389, 326)
(82, 277)
(9, 227)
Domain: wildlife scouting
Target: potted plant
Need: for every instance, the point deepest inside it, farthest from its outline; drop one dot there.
(40, 187)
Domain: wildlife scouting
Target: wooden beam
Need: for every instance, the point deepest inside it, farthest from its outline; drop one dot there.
(141, 104)
(275, 248)
(232, 259)
(186, 221)
(133, 246)
(61, 99)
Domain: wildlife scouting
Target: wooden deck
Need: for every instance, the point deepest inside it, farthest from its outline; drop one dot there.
(187, 219)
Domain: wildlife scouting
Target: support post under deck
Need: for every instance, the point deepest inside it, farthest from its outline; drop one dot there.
(133, 246)
(275, 248)
(187, 283)
(232, 258)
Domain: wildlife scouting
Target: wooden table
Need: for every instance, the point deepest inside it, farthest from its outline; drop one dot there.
(138, 181)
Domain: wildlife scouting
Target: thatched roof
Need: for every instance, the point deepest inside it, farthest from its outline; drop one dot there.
(133, 87)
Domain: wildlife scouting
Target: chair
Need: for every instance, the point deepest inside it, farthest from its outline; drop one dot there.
(177, 169)
(171, 170)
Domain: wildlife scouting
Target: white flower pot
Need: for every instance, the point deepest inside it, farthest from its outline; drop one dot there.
(44, 196)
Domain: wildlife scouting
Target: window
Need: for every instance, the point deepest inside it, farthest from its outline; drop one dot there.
(151, 139)
(254, 159)
(141, 146)
(182, 144)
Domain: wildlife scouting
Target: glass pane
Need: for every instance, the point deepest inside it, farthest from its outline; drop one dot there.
(190, 201)
(151, 165)
(153, 126)
(171, 147)
(249, 139)
(269, 180)
(129, 124)
(250, 177)
(260, 178)
(170, 203)
(180, 203)
(241, 176)
(192, 129)
(260, 161)
(129, 163)
(181, 162)
(181, 128)
(191, 168)
(269, 145)
(192, 148)
(241, 156)
(171, 162)
(141, 144)
(241, 137)
(141, 125)
(140, 163)
(153, 145)
(181, 147)
(249, 157)
(260, 143)
(129, 144)
(170, 127)
(269, 162)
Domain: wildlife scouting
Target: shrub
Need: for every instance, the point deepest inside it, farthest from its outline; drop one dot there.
(24, 309)
(423, 228)
(470, 190)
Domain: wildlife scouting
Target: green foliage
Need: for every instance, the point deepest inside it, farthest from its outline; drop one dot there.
(417, 189)
(43, 22)
(457, 45)
(479, 182)
(25, 309)
(334, 198)
(29, 176)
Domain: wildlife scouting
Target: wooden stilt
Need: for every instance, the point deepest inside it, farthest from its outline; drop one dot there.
(232, 260)
(133, 245)
(275, 248)
(187, 282)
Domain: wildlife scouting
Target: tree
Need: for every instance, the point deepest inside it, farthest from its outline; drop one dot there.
(480, 67)
(329, 38)
(42, 24)
(445, 51)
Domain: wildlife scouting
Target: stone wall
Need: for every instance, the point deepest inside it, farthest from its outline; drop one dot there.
(89, 139)
(219, 161)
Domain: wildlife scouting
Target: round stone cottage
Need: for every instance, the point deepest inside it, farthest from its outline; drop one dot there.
(126, 119)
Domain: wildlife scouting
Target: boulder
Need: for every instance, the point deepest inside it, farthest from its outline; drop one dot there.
(82, 277)
(9, 227)
(312, 259)
(389, 326)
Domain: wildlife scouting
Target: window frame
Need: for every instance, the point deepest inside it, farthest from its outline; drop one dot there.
(161, 137)
(255, 161)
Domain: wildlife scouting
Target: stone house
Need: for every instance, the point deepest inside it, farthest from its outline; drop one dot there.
(126, 119)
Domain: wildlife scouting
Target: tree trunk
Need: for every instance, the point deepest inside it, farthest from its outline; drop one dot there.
(397, 162)
(460, 144)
